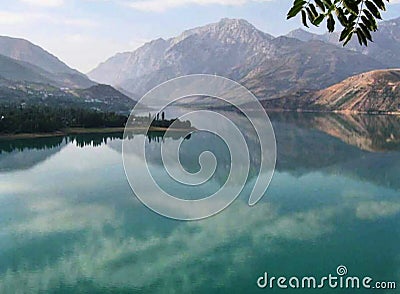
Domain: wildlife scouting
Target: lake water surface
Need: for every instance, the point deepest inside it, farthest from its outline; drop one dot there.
(70, 223)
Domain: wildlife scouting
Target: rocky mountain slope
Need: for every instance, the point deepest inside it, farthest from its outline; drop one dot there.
(217, 48)
(51, 67)
(106, 95)
(14, 70)
(372, 91)
(271, 67)
(385, 48)
(375, 91)
(32, 76)
(301, 66)
(99, 97)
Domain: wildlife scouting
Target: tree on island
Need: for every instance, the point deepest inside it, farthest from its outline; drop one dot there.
(356, 17)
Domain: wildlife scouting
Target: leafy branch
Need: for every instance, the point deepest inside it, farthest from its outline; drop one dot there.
(356, 17)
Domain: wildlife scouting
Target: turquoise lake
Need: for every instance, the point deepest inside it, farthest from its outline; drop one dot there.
(70, 223)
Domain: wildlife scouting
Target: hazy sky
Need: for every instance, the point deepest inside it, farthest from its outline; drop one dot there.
(84, 33)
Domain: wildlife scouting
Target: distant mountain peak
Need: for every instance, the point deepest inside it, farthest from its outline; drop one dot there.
(224, 22)
(236, 49)
(302, 35)
(227, 30)
(234, 40)
(227, 20)
(235, 23)
(24, 50)
(50, 66)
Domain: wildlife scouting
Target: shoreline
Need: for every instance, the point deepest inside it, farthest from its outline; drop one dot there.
(345, 112)
(110, 130)
(79, 131)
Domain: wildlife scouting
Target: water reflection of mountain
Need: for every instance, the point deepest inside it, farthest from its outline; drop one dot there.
(351, 145)
(8, 146)
(302, 150)
(363, 147)
(375, 133)
(307, 143)
(24, 154)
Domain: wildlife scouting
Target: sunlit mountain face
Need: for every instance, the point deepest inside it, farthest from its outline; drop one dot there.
(269, 66)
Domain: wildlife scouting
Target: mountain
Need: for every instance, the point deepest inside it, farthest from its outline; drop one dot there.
(304, 36)
(98, 97)
(20, 71)
(300, 66)
(270, 67)
(215, 48)
(372, 91)
(384, 49)
(106, 95)
(51, 67)
(31, 75)
(375, 91)
(14, 70)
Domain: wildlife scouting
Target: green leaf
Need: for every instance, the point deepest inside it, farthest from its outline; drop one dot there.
(345, 33)
(328, 3)
(380, 4)
(361, 38)
(331, 23)
(319, 19)
(351, 6)
(310, 14)
(297, 7)
(313, 10)
(321, 5)
(348, 38)
(352, 18)
(373, 9)
(341, 17)
(371, 18)
(365, 31)
(367, 22)
(304, 18)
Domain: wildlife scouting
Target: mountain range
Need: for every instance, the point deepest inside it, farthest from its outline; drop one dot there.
(374, 91)
(384, 49)
(289, 71)
(41, 65)
(29, 74)
(270, 67)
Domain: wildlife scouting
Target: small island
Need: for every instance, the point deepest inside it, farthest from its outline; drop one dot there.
(159, 123)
